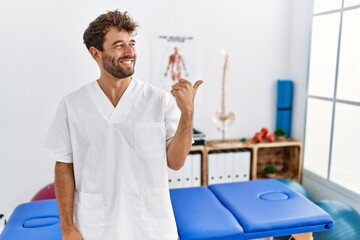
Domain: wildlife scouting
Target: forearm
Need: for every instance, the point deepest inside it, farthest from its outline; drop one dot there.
(180, 145)
(65, 188)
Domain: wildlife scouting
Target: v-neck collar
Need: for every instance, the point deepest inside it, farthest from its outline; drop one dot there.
(104, 105)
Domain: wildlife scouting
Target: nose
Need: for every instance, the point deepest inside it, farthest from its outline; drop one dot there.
(129, 50)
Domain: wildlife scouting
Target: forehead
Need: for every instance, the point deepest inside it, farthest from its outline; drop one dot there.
(114, 34)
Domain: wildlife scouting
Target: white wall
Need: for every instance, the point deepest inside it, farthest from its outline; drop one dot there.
(43, 58)
(298, 58)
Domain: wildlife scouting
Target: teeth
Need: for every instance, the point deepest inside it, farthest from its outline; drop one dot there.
(126, 62)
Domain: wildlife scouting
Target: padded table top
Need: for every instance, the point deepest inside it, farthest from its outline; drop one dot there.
(199, 215)
(269, 208)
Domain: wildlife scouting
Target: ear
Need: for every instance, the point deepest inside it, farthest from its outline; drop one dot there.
(95, 53)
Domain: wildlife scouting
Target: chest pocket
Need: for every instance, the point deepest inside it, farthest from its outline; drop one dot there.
(150, 139)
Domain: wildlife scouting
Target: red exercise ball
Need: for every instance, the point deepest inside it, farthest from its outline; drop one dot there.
(47, 192)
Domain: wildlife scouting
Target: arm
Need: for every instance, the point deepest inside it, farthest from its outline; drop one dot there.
(180, 144)
(65, 188)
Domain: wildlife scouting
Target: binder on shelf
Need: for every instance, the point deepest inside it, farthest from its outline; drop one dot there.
(241, 170)
(196, 169)
(212, 165)
(178, 179)
(189, 175)
(171, 178)
(187, 172)
(245, 166)
(237, 159)
(228, 162)
(220, 166)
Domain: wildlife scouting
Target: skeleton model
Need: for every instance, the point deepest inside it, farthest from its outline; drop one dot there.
(224, 120)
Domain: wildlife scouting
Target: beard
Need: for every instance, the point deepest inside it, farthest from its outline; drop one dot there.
(113, 66)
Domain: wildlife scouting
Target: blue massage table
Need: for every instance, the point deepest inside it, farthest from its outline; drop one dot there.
(229, 211)
(33, 221)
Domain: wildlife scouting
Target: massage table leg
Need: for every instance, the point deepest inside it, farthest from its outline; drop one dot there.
(303, 236)
(300, 236)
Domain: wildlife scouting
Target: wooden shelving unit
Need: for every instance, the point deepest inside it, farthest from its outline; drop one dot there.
(286, 155)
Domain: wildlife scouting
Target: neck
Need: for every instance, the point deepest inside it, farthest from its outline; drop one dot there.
(114, 88)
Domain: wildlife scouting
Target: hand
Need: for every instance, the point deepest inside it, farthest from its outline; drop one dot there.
(184, 93)
(72, 235)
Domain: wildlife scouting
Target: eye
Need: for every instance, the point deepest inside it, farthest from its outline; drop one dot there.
(118, 46)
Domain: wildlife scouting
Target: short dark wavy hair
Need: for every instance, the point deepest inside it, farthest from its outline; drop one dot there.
(95, 33)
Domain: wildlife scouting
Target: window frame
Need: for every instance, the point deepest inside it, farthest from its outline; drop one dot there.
(327, 182)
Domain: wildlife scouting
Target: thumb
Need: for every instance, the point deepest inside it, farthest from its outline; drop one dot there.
(197, 84)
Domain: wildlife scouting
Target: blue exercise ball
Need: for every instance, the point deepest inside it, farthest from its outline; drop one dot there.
(346, 221)
(297, 187)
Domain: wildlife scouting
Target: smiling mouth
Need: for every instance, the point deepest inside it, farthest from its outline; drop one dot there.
(127, 62)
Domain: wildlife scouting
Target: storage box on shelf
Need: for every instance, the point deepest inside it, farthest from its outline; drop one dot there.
(285, 155)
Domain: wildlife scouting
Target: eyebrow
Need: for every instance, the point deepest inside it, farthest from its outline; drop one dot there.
(121, 41)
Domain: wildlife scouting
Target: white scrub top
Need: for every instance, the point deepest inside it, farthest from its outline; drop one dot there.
(119, 157)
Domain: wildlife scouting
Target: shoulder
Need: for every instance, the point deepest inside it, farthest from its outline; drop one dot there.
(149, 88)
(150, 93)
(80, 93)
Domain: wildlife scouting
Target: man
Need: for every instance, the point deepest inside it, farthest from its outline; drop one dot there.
(113, 140)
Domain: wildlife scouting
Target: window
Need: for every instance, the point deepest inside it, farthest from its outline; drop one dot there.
(326, 5)
(345, 162)
(324, 55)
(349, 3)
(332, 132)
(349, 64)
(318, 125)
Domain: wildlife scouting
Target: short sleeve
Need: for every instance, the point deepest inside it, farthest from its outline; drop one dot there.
(172, 117)
(57, 145)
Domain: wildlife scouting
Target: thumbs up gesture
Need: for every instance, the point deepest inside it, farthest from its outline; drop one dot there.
(184, 93)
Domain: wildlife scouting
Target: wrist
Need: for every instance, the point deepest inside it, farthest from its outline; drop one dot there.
(68, 230)
(188, 115)
(67, 227)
